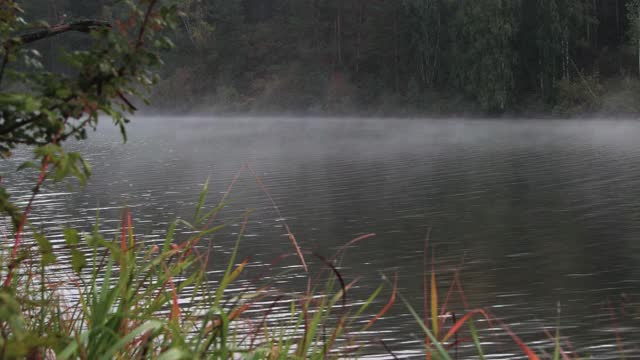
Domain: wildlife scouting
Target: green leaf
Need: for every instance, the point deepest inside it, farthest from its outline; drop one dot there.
(78, 260)
(71, 237)
(63, 93)
(94, 240)
(201, 200)
(46, 250)
(11, 314)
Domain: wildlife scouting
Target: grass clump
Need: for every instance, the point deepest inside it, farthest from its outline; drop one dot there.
(98, 298)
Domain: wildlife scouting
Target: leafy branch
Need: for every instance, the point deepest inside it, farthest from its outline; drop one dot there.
(56, 107)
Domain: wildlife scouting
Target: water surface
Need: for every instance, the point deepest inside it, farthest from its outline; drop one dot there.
(541, 212)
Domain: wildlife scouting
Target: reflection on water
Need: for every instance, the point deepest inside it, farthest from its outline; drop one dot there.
(541, 211)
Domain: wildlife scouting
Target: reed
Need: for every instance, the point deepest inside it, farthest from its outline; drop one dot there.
(120, 298)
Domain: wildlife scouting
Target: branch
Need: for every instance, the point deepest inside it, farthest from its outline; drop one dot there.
(75, 130)
(19, 124)
(5, 61)
(22, 141)
(143, 26)
(84, 26)
(126, 101)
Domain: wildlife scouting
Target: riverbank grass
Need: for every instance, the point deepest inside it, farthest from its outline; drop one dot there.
(121, 298)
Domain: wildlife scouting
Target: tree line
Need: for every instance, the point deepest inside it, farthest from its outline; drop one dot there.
(490, 56)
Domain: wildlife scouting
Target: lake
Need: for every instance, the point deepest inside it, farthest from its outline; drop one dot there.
(539, 212)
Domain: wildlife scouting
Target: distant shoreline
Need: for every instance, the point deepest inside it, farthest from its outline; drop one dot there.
(401, 113)
(617, 98)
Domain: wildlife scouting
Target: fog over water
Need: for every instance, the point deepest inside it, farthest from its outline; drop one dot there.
(542, 212)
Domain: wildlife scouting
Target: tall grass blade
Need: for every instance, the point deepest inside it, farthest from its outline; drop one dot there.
(434, 299)
(561, 351)
(174, 354)
(369, 301)
(456, 279)
(616, 329)
(476, 339)
(385, 309)
(346, 246)
(151, 325)
(425, 291)
(556, 352)
(468, 316)
(175, 306)
(292, 238)
(201, 199)
(72, 348)
(226, 280)
(338, 276)
(440, 350)
(387, 349)
(527, 351)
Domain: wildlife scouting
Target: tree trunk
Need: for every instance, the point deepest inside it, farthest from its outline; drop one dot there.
(595, 31)
(637, 31)
(396, 52)
(359, 36)
(565, 53)
(618, 37)
(338, 38)
(436, 53)
(586, 10)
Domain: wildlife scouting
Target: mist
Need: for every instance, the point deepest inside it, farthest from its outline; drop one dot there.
(454, 155)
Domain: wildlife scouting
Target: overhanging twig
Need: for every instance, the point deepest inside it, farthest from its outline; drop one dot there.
(84, 26)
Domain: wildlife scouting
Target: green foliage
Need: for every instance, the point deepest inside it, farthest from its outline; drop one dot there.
(129, 302)
(126, 302)
(46, 249)
(285, 55)
(483, 32)
(78, 261)
(578, 96)
(42, 109)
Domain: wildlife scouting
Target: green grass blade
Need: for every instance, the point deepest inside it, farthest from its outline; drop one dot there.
(369, 301)
(72, 347)
(476, 339)
(201, 200)
(174, 354)
(556, 351)
(441, 351)
(151, 325)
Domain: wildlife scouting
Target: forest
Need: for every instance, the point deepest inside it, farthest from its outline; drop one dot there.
(441, 57)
